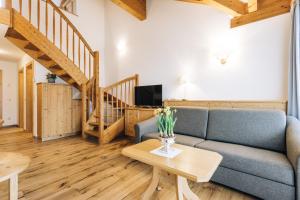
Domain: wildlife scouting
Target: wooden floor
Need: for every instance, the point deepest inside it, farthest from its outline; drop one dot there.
(73, 169)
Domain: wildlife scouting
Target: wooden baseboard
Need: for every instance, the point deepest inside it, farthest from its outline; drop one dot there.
(59, 136)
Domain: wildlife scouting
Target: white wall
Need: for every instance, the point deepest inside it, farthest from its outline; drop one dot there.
(185, 39)
(10, 92)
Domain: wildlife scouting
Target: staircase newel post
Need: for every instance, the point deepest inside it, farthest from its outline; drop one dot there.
(137, 80)
(101, 116)
(8, 4)
(84, 108)
(97, 79)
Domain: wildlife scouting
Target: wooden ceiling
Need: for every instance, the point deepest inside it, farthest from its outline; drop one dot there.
(243, 13)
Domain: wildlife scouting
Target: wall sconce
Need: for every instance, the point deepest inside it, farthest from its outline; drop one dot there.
(122, 47)
(223, 59)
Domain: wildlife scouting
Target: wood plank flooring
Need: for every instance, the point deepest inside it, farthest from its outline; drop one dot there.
(75, 169)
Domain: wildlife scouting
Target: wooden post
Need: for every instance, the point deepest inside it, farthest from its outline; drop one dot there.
(101, 115)
(83, 99)
(137, 80)
(99, 100)
(96, 75)
(8, 4)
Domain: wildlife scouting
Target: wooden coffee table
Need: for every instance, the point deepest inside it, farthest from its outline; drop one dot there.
(11, 164)
(194, 164)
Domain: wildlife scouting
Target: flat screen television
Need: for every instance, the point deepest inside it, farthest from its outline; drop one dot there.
(150, 95)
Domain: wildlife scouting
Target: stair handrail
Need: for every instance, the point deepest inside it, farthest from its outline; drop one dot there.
(57, 9)
(121, 92)
(131, 78)
(69, 40)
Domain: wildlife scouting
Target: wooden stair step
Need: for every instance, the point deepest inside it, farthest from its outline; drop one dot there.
(94, 123)
(14, 34)
(70, 81)
(32, 47)
(106, 124)
(91, 132)
(59, 72)
(55, 66)
(44, 57)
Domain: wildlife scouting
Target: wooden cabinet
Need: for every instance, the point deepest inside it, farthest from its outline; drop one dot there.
(133, 115)
(57, 114)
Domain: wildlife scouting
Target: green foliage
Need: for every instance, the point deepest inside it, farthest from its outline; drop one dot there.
(166, 122)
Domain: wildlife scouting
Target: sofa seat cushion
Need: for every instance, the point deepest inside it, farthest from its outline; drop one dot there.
(180, 139)
(191, 121)
(258, 162)
(256, 128)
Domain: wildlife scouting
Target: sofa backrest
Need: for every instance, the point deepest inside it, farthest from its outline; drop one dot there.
(191, 121)
(257, 128)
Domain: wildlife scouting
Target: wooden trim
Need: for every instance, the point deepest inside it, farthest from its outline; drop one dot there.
(252, 5)
(280, 105)
(136, 8)
(30, 66)
(232, 7)
(21, 97)
(267, 9)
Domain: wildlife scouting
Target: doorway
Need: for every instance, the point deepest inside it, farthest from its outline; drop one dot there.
(29, 97)
(21, 98)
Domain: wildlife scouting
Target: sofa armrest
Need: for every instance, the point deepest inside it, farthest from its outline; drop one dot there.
(293, 149)
(147, 126)
(293, 141)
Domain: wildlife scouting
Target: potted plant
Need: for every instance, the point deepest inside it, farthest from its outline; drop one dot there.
(51, 78)
(166, 122)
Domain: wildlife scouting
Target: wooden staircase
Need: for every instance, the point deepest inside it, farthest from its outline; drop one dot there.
(40, 29)
(114, 99)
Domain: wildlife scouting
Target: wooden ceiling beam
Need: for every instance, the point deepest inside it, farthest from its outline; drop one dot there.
(266, 9)
(135, 7)
(232, 7)
(252, 5)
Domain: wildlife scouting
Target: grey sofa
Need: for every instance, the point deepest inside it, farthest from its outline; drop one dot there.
(260, 148)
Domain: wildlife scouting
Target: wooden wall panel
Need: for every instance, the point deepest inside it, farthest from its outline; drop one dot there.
(280, 105)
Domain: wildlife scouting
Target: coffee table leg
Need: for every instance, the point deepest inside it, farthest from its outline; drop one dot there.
(183, 189)
(13, 187)
(153, 185)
